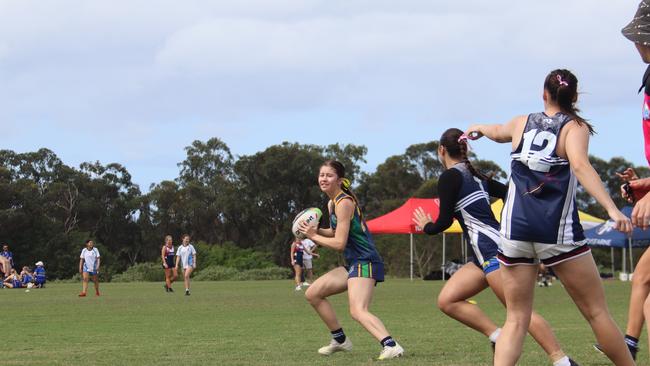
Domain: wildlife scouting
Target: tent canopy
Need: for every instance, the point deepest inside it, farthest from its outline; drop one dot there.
(400, 220)
(586, 220)
(605, 235)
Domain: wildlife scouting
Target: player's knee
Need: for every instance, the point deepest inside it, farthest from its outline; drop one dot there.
(445, 304)
(594, 313)
(357, 313)
(519, 319)
(312, 296)
(641, 277)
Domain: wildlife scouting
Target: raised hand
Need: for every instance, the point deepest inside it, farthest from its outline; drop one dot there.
(628, 175)
(421, 218)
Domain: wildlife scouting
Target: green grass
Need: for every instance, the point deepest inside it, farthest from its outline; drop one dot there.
(264, 323)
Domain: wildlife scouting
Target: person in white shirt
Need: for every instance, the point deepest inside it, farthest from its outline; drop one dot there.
(309, 248)
(186, 255)
(89, 266)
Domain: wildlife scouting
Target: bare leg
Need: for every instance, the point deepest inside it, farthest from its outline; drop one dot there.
(465, 283)
(360, 292)
(5, 264)
(646, 311)
(518, 288)
(174, 274)
(332, 283)
(186, 276)
(539, 328)
(298, 274)
(581, 280)
(96, 280)
(310, 275)
(84, 283)
(640, 291)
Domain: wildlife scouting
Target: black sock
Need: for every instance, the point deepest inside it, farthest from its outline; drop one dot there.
(388, 341)
(631, 341)
(338, 335)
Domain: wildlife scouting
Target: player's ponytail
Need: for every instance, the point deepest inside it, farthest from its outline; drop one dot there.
(346, 185)
(562, 88)
(455, 142)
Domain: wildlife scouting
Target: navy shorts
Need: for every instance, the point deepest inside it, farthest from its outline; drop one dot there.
(297, 256)
(170, 262)
(488, 266)
(374, 270)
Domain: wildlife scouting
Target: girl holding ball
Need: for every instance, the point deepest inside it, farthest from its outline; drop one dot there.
(348, 233)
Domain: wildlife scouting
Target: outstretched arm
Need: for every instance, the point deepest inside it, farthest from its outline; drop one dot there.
(448, 187)
(577, 153)
(496, 132)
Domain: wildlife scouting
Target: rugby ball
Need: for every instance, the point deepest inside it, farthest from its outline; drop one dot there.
(311, 216)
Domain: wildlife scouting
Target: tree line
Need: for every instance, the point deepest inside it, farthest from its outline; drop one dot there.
(48, 208)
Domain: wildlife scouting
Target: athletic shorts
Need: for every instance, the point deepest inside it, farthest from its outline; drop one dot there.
(488, 266)
(374, 270)
(170, 262)
(297, 256)
(307, 263)
(515, 252)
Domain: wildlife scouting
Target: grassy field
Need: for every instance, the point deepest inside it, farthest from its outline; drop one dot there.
(263, 323)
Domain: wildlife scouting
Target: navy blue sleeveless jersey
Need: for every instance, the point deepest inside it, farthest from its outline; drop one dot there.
(540, 205)
(360, 246)
(475, 216)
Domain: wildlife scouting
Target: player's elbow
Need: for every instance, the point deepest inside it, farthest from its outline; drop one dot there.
(581, 168)
(339, 245)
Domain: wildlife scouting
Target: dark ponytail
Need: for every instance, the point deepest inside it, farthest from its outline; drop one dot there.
(562, 87)
(457, 148)
(346, 185)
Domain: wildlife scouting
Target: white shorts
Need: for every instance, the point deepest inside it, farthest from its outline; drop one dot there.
(515, 252)
(307, 263)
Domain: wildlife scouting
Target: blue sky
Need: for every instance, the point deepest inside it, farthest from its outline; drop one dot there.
(134, 82)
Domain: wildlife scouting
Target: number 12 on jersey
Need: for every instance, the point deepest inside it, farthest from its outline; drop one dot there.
(537, 148)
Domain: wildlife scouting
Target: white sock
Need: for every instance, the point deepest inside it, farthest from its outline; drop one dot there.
(493, 337)
(564, 361)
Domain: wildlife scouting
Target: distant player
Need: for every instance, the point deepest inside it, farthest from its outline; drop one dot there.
(465, 195)
(26, 276)
(167, 255)
(5, 267)
(540, 217)
(89, 262)
(39, 275)
(365, 268)
(309, 249)
(186, 256)
(8, 262)
(296, 256)
(13, 280)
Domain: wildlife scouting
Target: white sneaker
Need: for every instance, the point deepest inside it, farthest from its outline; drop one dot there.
(305, 284)
(391, 352)
(335, 346)
(298, 288)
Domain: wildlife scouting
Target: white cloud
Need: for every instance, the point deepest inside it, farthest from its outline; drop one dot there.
(124, 68)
